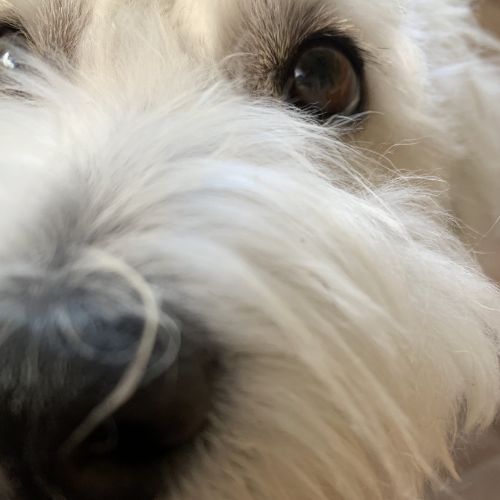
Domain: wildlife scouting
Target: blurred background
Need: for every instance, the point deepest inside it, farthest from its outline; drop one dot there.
(490, 14)
(480, 462)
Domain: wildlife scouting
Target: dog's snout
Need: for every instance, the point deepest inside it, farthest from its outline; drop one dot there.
(122, 457)
(65, 367)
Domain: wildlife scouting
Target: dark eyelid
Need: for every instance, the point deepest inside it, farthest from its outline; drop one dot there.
(8, 28)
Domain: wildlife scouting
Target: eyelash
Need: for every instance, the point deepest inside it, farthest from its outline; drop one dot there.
(9, 29)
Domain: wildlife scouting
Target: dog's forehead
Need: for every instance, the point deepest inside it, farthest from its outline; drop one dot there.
(254, 39)
(217, 20)
(211, 27)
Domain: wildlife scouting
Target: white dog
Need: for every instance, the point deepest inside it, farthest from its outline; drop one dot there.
(229, 262)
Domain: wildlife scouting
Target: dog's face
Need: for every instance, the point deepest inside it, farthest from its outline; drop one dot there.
(199, 297)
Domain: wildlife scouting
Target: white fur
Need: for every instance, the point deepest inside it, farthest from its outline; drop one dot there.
(360, 336)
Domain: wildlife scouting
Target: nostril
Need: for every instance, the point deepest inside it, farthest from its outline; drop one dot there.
(118, 461)
(55, 383)
(173, 406)
(161, 416)
(124, 457)
(104, 440)
(124, 442)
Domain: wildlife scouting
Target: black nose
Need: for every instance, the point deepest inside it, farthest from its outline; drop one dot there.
(60, 429)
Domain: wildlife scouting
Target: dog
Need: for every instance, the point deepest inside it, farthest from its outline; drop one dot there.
(249, 248)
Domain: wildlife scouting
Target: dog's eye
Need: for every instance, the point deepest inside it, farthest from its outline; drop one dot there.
(325, 79)
(9, 35)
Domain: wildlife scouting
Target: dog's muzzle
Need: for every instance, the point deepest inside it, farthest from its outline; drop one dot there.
(63, 362)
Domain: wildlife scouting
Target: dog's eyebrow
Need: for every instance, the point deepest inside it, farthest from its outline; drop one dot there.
(49, 26)
(270, 32)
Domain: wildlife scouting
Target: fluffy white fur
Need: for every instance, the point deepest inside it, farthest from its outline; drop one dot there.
(360, 337)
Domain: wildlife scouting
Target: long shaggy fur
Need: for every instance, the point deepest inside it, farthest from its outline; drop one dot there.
(360, 337)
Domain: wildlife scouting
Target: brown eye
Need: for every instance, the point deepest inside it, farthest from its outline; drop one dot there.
(325, 81)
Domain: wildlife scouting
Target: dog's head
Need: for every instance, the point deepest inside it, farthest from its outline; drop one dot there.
(199, 296)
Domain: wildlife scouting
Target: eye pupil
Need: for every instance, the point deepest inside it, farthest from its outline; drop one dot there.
(317, 67)
(325, 82)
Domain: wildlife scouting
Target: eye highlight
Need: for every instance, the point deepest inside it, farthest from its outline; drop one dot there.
(325, 78)
(6, 60)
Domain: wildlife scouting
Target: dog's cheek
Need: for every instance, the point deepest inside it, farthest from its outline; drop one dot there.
(342, 366)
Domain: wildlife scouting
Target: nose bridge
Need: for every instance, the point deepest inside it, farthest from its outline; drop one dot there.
(146, 52)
